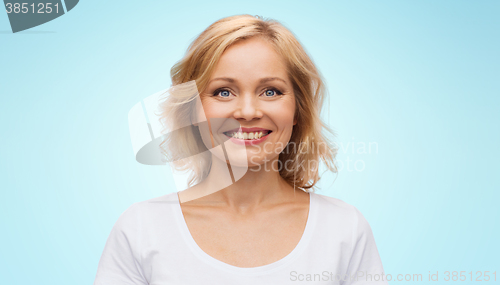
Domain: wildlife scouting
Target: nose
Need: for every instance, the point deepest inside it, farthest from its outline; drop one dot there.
(248, 108)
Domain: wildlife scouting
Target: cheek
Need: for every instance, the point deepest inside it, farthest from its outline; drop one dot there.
(284, 114)
(214, 110)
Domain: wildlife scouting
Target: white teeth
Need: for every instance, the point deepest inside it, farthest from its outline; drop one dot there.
(247, 136)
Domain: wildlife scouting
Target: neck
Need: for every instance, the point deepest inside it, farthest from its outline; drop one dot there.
(259, 185)
(256, 186)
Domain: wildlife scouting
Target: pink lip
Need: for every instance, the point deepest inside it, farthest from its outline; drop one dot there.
(248, 130)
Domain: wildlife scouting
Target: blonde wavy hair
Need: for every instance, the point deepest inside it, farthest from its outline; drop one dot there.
(310, 132)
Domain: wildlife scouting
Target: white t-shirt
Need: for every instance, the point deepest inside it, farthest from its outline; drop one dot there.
(151, 244)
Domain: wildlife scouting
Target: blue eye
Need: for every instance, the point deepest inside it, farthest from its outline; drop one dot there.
(272, 92)
(222, 93)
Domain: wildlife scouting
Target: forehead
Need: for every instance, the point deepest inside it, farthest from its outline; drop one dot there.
(251, 59)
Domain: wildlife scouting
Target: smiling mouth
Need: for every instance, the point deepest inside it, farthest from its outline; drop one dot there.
(248, 135)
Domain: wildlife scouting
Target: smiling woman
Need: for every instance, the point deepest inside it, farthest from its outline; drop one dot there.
(229, 58)
(246, 218)
(251, 86)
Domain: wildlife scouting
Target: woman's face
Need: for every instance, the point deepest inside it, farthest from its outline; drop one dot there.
(250, 86)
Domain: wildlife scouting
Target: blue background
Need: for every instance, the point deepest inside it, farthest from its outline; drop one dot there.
(420, 79)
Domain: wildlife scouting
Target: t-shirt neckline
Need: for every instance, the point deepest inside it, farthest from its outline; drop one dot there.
(268, 268)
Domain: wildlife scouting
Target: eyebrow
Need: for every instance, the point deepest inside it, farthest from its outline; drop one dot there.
(263, 80)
